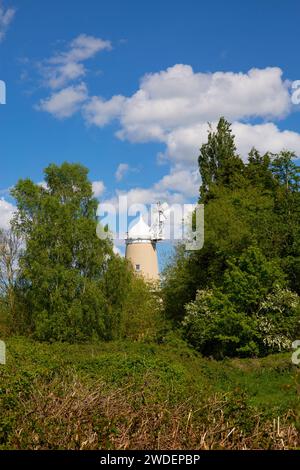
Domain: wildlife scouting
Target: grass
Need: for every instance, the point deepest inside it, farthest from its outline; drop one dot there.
(130, 395)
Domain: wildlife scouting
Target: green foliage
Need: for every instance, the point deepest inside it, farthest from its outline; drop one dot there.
(251, 251)
(72, 287)
(252, 314)
(100, 396)
(249, 278)
(257, 171)
(142, 314)
(279, 319)
(179, 283)
(286, 172)
(218, 162)
(234, 220)
(214, 327)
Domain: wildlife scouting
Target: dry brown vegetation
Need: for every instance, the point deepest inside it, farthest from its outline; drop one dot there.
(72, 414)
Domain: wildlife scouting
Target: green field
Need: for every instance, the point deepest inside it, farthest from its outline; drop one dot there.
(130, 395)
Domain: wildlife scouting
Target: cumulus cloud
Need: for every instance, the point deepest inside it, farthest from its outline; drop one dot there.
(179, 96)
(67, 66)
(100, 112)
(183, 144)
(174, 106)
(6, 212)
(98, 188)
(265, 137)
(62, 72)
(177, 187)
(173, 191)
(6, 17)
(66, 102)
(181, 180)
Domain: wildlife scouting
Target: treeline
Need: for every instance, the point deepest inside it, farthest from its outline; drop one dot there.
(239, 295)
(58, 280)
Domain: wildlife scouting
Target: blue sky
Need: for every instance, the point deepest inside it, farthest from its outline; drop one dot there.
(127, 87)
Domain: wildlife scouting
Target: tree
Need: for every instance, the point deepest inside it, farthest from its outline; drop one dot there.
(246, 205)
(10, 250)
(235, 219)
(258, 171)
(279, 319)
(216, 328)
(218, 161)
(287, 208)
(252, 313)
(249, 278)
(286, 171)
(64, 263)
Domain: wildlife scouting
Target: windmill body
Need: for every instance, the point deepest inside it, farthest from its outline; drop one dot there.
(141, 248)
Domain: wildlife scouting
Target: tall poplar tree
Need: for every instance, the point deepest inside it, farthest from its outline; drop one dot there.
(218, 162)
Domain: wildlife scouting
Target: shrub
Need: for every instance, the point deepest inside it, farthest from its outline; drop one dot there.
(142, 316)
(279, 319)
(252, 314)
(249, 278)
(214, 327)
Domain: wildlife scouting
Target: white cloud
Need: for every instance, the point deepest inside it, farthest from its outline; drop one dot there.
(59, 76)
(6, 212)
(183, 144)
(180, 180)
(178, 96)
(121, 171)
(173, 107)
(82, 48)
(98, 188)
(175, 189)
(100, 112)
(6, 17)
(66, 102)
(142, 196)
(67, 66)
(179, 186)
(265, 137)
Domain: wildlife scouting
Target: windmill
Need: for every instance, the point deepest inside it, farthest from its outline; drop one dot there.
(141, 245)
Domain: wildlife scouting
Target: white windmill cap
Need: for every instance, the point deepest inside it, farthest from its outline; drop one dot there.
(140, 230)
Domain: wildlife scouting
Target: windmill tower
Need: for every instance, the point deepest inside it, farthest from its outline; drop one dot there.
(141, 244)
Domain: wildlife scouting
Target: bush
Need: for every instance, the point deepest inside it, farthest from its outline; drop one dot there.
(214, 326)
(142, 316)
(252, 314)
(279, 319)
(250, 277)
